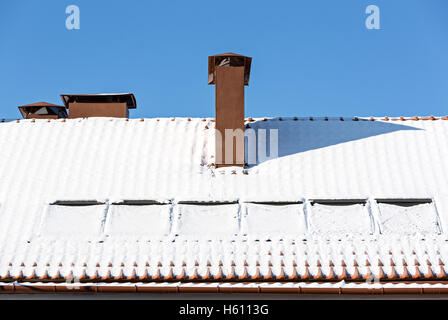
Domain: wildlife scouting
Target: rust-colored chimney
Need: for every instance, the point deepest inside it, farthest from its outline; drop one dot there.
(42, 110)
(229, 72)
(114, 105)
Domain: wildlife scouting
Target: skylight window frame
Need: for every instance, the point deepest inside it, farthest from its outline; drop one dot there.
(177, 218)
(77, 203)
(399, 201)
(276, 203)
(206, 203)
(339, 202)
(138, 203)
(407, 202)
(301, 213)
(99, 237)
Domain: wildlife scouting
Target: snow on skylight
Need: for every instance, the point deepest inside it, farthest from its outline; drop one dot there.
(337, 219)
(138, 220)
(206, 221)
(80, 221)
(266, 221)
(408, 219)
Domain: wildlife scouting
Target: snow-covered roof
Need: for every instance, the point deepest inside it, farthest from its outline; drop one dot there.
(104, 199)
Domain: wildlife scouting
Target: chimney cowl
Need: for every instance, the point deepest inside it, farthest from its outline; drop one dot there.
(42, 110)
(228, 59)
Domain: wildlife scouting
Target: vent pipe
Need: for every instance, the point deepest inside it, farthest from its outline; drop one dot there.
(229, 73)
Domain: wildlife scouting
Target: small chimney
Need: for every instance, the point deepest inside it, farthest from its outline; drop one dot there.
(42, 110)
(229, 72)
(115, 105)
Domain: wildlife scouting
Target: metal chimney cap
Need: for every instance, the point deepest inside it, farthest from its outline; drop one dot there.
(41, 104)
(129, 98)
(229, 59)
(43, 110)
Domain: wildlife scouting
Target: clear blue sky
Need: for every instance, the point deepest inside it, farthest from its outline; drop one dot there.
(310, 57)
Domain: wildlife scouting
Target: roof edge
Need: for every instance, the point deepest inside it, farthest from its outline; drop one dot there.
(339, 288)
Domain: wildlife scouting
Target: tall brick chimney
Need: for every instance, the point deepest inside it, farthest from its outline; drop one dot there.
(229, 72)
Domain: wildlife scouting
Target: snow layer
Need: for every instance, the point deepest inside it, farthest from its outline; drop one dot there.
(139, 221)
(339, 220)
(73, 221)
(206, 221)
(402, 220)
(160, 159)
(262, 221)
